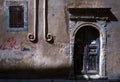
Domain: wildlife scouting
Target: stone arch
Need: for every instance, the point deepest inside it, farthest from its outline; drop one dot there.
(102, 32)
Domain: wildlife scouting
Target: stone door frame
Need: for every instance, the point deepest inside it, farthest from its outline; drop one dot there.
(102, 32)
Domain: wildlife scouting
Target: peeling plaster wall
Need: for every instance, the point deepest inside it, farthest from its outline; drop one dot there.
(17, 52)
(13, 44)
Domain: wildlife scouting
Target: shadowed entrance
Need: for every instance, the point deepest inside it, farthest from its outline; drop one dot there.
(86, 51)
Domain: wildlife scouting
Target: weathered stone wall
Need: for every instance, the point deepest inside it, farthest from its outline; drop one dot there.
(112, 47)
(17, 52)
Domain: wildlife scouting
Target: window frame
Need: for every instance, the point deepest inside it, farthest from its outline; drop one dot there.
(14, 29)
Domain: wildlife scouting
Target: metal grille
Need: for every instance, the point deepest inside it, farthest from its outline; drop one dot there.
(16, 17)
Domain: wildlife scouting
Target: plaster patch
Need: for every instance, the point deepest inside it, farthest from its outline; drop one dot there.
(65, 50)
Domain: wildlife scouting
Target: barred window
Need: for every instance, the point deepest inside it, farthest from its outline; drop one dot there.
(16, 16)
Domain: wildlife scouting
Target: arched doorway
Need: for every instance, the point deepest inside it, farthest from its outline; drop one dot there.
(97, 34)
(86, 51)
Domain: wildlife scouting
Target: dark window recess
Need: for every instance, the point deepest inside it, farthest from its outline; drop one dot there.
(16, 17)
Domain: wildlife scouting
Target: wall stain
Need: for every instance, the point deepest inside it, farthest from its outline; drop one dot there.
(12, 44)
(11, 59)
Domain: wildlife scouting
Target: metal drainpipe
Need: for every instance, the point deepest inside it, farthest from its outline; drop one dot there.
(47, 36)
(32, 36)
